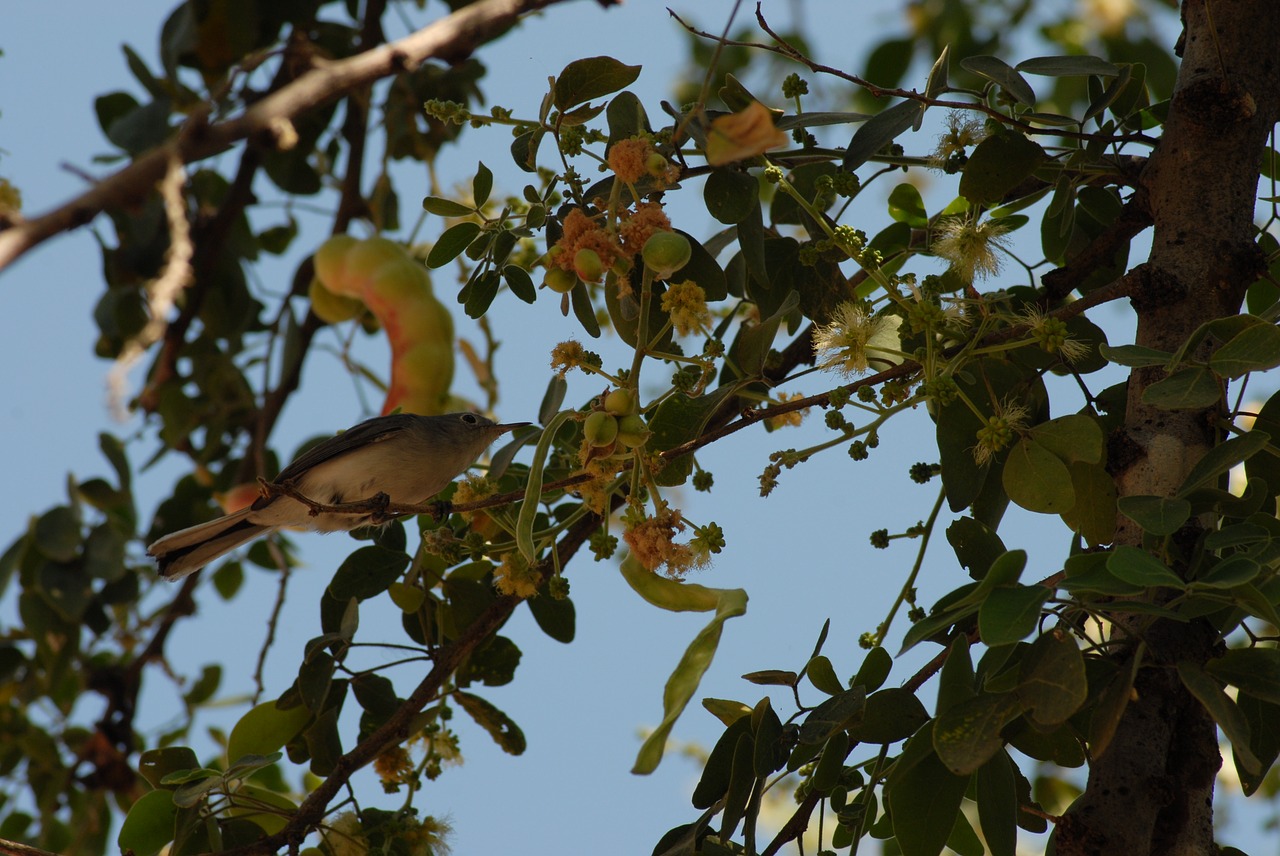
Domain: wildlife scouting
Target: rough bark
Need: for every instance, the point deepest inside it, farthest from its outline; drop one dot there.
(1152, 791)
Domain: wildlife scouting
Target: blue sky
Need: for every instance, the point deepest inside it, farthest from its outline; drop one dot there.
(802, 554)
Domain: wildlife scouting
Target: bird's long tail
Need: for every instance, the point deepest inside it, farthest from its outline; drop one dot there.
(188, 550)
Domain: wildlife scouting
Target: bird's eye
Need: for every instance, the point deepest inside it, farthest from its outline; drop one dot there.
(470, 418)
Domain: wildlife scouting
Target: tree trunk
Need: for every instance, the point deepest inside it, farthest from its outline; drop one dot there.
(1152, 790)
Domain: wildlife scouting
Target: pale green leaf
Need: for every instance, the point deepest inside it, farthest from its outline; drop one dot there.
(1140, 568)
(1037, 479)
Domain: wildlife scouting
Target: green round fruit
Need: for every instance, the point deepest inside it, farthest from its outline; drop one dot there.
(560, 280)
(588, 265)
(620, 402)
(633, 432)
(600, 429)
(666, 252)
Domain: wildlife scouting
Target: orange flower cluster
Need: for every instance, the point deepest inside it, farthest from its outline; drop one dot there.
(636, 158)
(641, 224)
(582, 232)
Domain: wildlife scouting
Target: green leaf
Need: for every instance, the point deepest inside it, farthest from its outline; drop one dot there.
(730, 195)
(834, 714)
(1037, 479)
(1010, 615)
(1155, 514)
(585, 79)
(584, 311)
(906, 205)
(1253, 670)
(1140, 568)
(997, 797)
(367, 572)
(1135, 356)
(1264, 731)
(718, 771)
(555, 616)
(1224, 711)
(1094, 514)
(57, 534)
(501, 727)
(1255, 349)
(626, 117)
(1110, 706)
(999, 164)
(741, 782)
(678, 420)
(149, 825)
(1001, 73)
(956, 680)
(520, 283)
(314, 679)
(823, 676)
(156, 764)
(967, 735)
(880, 130)
(963, 841)
(1068, 66)
(524, 149)
(826, 773)
(451, 244)
(481, 185)
(1076, 437)
(1222, 458)
(874, 669)
(1192, 388)
(265, 729)
(446, 208)
(1052, 683)
(924, 798)
(936, 83)
(975, 545)
(890, 715)
(1004, 571)
(1229, 572)
(669, 594)
(770, 746)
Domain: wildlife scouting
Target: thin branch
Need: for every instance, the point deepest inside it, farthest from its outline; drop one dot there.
(784, 48)
(15, 848)
(449, 39)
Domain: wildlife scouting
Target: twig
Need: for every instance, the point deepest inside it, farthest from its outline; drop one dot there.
(449, 39)
(14, 848)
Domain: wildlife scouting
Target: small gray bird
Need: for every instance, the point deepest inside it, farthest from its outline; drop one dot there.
(407, 457)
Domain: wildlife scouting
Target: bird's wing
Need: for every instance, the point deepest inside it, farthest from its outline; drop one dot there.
(370, 431)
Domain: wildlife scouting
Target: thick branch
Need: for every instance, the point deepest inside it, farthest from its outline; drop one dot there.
(1152, 790)
(448, 39)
